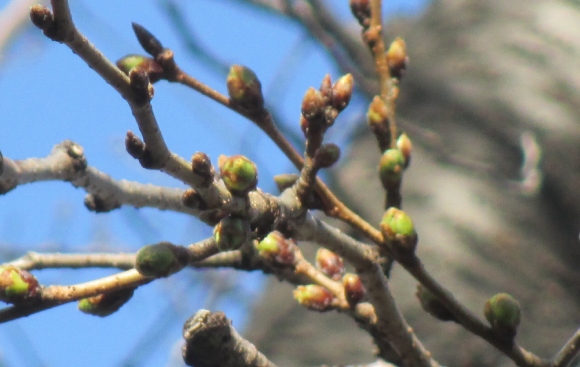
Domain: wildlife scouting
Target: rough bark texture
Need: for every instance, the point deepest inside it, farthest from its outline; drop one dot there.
(481, 74)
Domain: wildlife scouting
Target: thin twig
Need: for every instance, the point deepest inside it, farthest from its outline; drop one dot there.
(568, 351)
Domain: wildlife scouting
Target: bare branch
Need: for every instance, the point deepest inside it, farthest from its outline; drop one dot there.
(210, 340)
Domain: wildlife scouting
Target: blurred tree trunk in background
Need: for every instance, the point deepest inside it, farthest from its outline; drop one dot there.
(486, 80)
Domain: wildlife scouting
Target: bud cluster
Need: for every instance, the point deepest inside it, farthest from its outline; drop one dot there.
(321, 107)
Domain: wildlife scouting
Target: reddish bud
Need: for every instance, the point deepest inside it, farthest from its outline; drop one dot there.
(244, 88)
(406, 147)
(314, 297)
(342, 92)
(353, 288)
(17, 286)
(329, 263)
(201, 165)
(361, 9)
(278, 249)
(313, 104)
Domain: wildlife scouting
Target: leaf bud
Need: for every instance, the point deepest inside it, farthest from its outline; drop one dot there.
(353, 289)
(503, 313)
(240, 175)
(161, 259)
(327, 155)
(231, 233)
(398, 231)
(314, 297)
(105, 304)
(244, 88)
(397, 57)
(329, 263)
(201, 165)
(150, 66)
(285, 180)
(278, 249)
(17, 286)
(406, 147)
(342, 92)
(147, 40)
(391, 168)
(432, 305)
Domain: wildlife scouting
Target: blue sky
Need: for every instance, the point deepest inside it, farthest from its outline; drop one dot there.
(47, 95)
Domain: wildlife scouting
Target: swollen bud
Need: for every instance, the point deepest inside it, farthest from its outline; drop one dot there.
(329, 263)
(353, 289)
(327, 155)
(406, 147)
(378, 114)
(231, 233)
(105, 304)
(342, 92)
(397, 57)
(278, 249)
(161, 259)
(391, 168)
(17, 286)
(399, 232)
(313, 105)
(433, 305)
(244, 88)
(314, 297)
(130, 62)
(503, 313)
(240, 175)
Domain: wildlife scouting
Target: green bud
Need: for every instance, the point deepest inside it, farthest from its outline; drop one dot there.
(342, 92)
(240, 175)
(327, 155)
(433, 305)
(17, 286)
(130, 62)
(353, 288)
(244, 88)
(231, 233)
(399, 231)
(277, 248)
(161, 259)
(105, 304)
(391, 167)
(503, 313)
(329, 263)
(314, 297)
